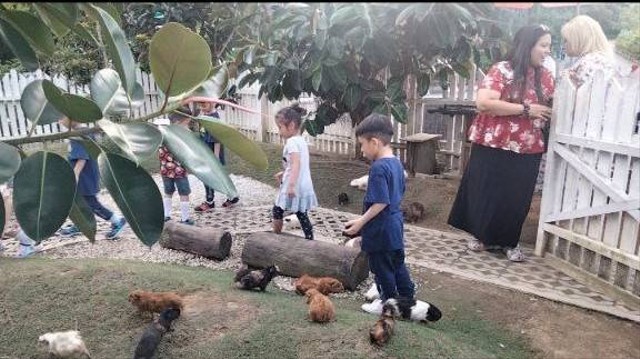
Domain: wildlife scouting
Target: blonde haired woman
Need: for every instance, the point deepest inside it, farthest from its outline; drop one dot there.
(584, 38)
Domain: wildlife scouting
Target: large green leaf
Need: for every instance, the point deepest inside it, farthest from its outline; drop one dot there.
(197, 158)
(93, 148)
(112, 10)
(118, 50)
(136, 194)
(43, 193)
(110, 96)
(423, 82)
(399, 112)
(54, 17)
(137, 140)
(35, 105)
(235, 141)
(180, 59)
(2, 215)
(83, 217)
(352, 96)
(19, 46)
(75, 107)
(9, 162)
(32, 28)
(216, 85)
(317, 78)
(337, 76)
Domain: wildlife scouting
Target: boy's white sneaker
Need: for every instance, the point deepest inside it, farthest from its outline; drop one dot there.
(374, 307)
(372, 293)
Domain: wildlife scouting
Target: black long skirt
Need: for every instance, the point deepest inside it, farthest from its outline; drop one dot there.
(495, 195)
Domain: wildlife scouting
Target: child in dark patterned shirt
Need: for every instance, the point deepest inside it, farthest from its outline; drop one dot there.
(174, 175)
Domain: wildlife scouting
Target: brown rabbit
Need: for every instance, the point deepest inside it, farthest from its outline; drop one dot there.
(321, 309)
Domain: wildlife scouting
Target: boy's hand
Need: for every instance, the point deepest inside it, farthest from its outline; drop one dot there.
(278, 177)
(353, 227)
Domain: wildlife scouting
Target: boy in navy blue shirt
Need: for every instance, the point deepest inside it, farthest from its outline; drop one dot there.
(207, 109)
(381, 225)
(88, 178)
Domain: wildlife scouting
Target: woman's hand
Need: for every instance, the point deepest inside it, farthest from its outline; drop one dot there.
(278, 177)
(540, 112)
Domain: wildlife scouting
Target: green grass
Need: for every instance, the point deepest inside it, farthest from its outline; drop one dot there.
(41, 295)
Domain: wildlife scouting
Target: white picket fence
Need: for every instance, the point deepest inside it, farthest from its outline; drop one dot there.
(590, 214)
(13, 123)
(337, 138)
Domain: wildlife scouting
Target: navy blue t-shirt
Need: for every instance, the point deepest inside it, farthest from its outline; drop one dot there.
(89, 179)
(386, 185)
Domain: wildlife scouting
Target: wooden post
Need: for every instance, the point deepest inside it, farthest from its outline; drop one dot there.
(264, 119)
(209, 243)
(421, 153)
(296, 256)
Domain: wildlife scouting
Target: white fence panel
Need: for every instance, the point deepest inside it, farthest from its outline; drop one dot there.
(590, 215)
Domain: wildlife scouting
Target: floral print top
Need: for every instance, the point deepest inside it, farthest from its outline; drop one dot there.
(515, 133)
(587, 65)
(169, 166)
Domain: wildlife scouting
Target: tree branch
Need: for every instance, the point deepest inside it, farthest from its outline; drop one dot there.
(84, 131)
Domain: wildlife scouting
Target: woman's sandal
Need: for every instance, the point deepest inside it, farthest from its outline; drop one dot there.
(475, 245)
(515, 254)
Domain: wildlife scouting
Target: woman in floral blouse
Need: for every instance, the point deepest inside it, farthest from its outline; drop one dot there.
(584, 38)
(507, 143)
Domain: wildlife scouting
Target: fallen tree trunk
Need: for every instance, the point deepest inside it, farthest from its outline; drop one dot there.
(206, 242)
(295, 256)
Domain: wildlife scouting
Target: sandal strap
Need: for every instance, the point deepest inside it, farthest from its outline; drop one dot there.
(475, 245)
(515, 255)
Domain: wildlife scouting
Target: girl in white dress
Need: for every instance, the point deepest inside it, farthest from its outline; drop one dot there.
(296, 192)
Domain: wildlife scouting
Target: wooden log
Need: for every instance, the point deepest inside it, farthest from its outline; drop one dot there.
(206, 242)
(295, 256)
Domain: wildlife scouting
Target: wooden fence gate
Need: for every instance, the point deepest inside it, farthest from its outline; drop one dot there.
(590, 211)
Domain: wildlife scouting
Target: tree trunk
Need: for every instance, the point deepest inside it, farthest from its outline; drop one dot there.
(209, 243)
(355, 121)
(296, 256)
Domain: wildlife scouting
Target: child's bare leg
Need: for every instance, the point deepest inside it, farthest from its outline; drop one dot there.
(277, 226)
(7, 198)
(277, 215)
(7, 212)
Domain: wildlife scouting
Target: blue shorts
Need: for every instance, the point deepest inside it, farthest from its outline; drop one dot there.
(182, 184)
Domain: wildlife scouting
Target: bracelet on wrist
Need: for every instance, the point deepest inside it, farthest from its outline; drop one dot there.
(525, 109)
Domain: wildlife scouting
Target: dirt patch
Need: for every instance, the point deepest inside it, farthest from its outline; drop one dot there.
(333, 173)
(209, 315)
(555, 330)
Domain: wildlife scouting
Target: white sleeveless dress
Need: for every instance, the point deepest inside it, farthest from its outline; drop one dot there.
(305, 198)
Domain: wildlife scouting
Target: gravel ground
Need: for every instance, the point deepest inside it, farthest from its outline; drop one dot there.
(252, 193)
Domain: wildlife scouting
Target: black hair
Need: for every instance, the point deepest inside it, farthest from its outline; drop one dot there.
(520, 58)
(183, 112)
(293, 114)
(376, 126)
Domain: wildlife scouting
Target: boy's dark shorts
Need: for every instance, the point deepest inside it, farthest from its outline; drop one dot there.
(170, 185)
